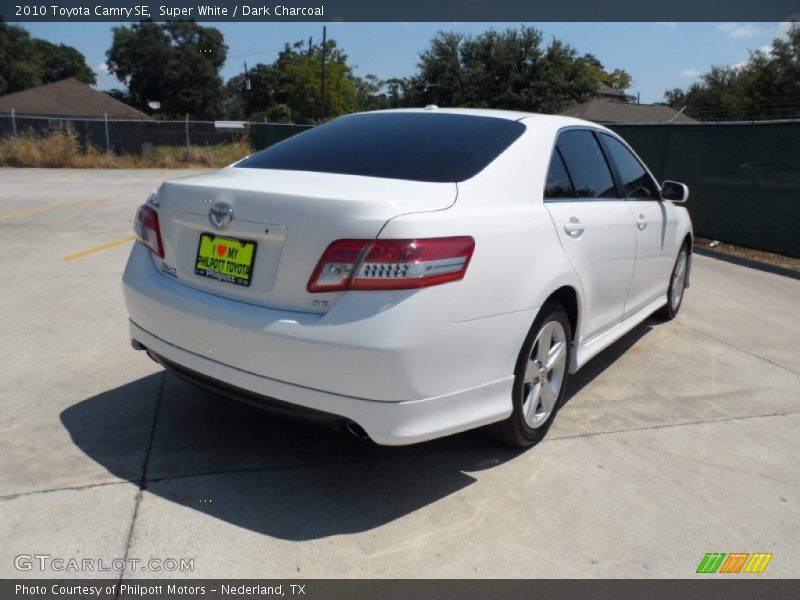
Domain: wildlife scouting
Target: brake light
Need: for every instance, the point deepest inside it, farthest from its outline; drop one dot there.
(147, 229)
(391, 264)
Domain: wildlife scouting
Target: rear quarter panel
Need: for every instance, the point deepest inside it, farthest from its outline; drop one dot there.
(518, 260)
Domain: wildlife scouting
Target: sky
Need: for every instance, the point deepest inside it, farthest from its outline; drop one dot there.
(659, 56)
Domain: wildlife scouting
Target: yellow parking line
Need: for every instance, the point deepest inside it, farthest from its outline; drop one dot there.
(44, 209)
(99, 248)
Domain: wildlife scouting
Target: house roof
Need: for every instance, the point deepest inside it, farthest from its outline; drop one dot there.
(606, 91)
(68, 98)
(601, 110)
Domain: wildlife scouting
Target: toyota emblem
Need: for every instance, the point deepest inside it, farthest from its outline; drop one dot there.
(220, 215)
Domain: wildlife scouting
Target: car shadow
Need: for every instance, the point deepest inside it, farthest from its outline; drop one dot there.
(285, 479)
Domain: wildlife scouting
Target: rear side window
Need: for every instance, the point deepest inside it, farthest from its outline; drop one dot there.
(586, 164)
(558, 184)
(636, 182)
(436, 147)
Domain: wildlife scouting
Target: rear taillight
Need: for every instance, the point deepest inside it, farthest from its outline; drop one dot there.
(391, 264)
(147, 230)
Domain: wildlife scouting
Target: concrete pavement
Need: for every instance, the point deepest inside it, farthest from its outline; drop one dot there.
(679, 440)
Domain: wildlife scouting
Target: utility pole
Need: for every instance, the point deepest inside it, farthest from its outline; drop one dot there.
(324, 50)
(245, 91)
(310, 46)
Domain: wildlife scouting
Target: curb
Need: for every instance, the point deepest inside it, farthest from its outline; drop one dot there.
(746, 262)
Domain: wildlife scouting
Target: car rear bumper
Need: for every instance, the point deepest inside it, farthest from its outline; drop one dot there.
(394, 363)
(387, 423)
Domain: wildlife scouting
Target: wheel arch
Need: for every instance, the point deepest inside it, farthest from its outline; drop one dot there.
(567, 297)
(688, 242)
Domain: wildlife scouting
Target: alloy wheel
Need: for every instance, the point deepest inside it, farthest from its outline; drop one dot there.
(544, 374)
(678, 281)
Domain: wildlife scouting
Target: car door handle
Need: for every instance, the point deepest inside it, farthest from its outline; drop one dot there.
(574, 228)
(641, 223)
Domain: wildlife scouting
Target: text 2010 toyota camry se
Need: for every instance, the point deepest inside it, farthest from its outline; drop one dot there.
(409, 274)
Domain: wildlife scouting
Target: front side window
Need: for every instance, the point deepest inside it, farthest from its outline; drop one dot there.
(636, 181)
(586, 164)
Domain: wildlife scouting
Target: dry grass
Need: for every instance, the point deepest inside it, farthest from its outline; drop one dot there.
(770, 258)
(61, 149)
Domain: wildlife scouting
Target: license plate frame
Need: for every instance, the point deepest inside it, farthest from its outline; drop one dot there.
(226, 273)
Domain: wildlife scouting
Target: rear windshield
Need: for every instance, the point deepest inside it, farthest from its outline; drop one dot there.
(417, 146)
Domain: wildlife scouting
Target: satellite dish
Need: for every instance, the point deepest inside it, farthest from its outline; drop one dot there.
(154, 104)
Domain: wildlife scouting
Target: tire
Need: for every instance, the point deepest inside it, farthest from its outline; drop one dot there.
(677, 286)
(531, 417)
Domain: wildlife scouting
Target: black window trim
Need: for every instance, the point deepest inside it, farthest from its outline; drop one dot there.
(611, 169)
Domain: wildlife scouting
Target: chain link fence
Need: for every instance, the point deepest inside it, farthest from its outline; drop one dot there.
(141, 137)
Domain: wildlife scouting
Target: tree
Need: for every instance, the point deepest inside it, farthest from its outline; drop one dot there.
(276, 113)
(401, 92)
(27, 62)
(676, 98)
(619, 79)
(298, 74)
(770, 81)
(369, 93)
(239, 102)
(175, 63)
(766, 86)
(511, 69)
(719, 96)
(57, 62)
(291, 87)
(17, 67)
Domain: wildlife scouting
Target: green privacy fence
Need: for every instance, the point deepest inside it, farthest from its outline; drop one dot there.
(744, 178)
(263, 135)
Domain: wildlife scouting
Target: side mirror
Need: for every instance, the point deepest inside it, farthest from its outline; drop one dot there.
(677, 192)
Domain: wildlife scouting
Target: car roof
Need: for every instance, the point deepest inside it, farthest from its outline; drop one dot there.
(555, 121)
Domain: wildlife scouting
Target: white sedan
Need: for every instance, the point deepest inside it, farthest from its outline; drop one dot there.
(409, 274)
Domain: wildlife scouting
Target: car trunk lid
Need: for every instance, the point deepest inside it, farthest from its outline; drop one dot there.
(291, 216)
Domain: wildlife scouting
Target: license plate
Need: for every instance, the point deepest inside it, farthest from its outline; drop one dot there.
(225, 259)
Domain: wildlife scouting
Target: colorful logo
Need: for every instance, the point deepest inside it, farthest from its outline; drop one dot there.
(735, 562)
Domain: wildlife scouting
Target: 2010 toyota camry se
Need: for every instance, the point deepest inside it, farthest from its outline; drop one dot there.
(408, 274)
